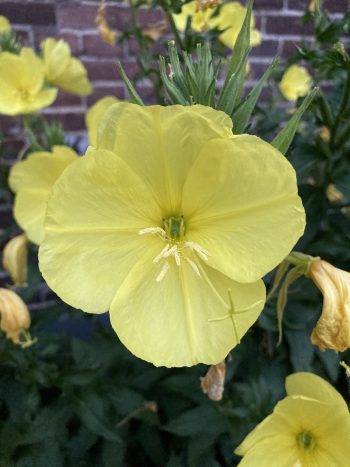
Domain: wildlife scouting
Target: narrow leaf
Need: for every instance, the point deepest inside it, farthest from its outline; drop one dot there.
(173, 91)
(286, 135)
(134, 96)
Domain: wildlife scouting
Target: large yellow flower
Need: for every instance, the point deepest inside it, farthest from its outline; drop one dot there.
(32, 180)
(230, 20)
(94, 115)
(63, 70)
(170, 223)
(296, 82)
(309, 428)
(21, 83)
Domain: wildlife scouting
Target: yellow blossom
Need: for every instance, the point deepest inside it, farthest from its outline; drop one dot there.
(333, 328)
(296, 82)
(15, 258)
(170, 222)
(94, 115)
(5, 25)
(200, 18)
(21, 83)
(63, 70)
(32, 180)
(14, 317)
(230, 20)
(308, 428)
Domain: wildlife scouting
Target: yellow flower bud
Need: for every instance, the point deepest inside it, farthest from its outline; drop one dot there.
(333, 194)
(15, 318)
(324, 134)
(314, 4)
(213, 382)
(333, 328)
(15, 259)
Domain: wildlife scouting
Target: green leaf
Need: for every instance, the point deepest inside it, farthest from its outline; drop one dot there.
(134, 96)
(301, 350)
(286, 135)
(242, 114)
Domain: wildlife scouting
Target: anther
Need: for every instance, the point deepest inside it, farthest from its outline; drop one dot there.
(163, 271)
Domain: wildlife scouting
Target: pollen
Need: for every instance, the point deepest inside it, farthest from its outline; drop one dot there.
(176, 246)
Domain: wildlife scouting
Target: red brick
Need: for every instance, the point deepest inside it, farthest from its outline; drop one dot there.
(41, 34)
(287, 26)
(22, 12)
(64, 99)
(83, 16)
(70, 121)
(102, 69)
(289, 48)
(340, 6)
(266, 49)
(95, 46)
(102, 91)
(268, 5)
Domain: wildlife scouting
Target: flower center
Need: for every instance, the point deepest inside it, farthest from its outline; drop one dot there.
(173, 235)
(306, 440)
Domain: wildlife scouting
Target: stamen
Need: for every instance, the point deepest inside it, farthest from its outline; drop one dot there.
(171, 251)
(193, 266)
(204, 254)
(177, 257)
(162, 253)
(163, 271)
(152, 230)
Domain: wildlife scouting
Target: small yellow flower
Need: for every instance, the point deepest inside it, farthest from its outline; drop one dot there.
(213, 382)
(310, 427)
(5, 25)
(333, 328)
(21, 83)
(170, 223)
(14, 317)
(63, 70)
(15, 259)
(230, 20)
(94, 116)
(200, 18)
(296, 82)
(32, 180)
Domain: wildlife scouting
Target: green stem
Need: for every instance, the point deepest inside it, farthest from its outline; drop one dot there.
(172, 24)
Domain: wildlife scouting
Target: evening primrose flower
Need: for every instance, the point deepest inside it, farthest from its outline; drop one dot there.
(5, 25)
(310, 427)
(94, 115)
(21, 83)
(201, 18)
(170, 222)
(32, 180)
(296, 82)
(333, 328)
(14, 318)
(15, 258)
(63, 70)
(230, 20)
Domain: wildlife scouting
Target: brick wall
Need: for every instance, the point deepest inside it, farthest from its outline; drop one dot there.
(73, 20)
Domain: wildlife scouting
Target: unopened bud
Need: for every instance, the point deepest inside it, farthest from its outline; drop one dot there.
(151, 406)
(325, 134)
(333, 194)
(15, 259)
(213, 382)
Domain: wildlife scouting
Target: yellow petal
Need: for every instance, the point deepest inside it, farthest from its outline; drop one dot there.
(254, 217)
(168, 322)
(310, 385)
(166, 144)
(89, 247)
(5, 25)
(32, 180)
(14, 314)
(275, 451)
(15, 258)
(296, 82)
(94, 116)
(74, 79)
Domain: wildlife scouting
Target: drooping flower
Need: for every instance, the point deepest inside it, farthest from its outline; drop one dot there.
(310, 427)
(230, 20)
(333, 328)
(170, 222)
(213, 382)
(104, 29)
(63, 70)
(94, 115)
(14, 318)
(21, 83)
(32, 180)
(5, 25)
(296, 82)
(15, 258)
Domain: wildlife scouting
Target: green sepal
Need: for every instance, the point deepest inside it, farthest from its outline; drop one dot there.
(134, 96)
(286, 135)
(242, 114)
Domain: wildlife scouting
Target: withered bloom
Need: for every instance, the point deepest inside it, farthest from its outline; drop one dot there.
(14, 318)
(15, 258)
(213, 382)
(333, 328)
(106, 33)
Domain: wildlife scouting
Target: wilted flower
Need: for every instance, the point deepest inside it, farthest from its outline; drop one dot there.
(94, 116)
(14, 317)
(310, 427)
(333, 328)
(164, 212)
(296, 82)
(214, 381)
(313, 5)
(230, 20)
(155, 31)
(21, 83)
(5, 25)
(32, 180)
(15, 258)
(107, 34)
(63, 70)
